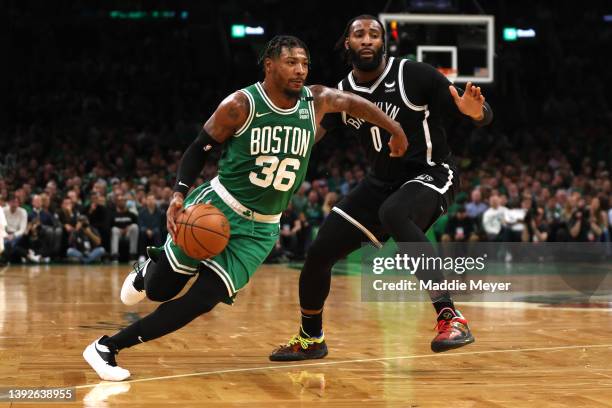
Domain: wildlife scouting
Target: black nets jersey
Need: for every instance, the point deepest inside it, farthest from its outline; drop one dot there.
(417, 96)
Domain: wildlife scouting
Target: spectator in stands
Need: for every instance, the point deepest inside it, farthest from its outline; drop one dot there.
(359, 174)
(321, 187)
(579, 223)
(514, 221)
(50, 228)
(166, 196)
(610, 219)
(45, 202)
(68, 219)
(30, 246)
(124, 225)
(335, 180)
(149, 223)
(312, 216)
(348, 184)
(39, 213)
(598, 221)
(20, 193)
(313, 210)
(99, 216)
(51, 191)
(300, 200)
(16, 225)
(536, 226)
(475, 207)
(141, 197)
(493, 218)
(513, 197)
(77, 204)
(85, 243)
(460, 228)
(291, 236)
(2, 235)
(100, 188)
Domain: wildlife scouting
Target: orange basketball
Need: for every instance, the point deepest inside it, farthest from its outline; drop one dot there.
(202, 231)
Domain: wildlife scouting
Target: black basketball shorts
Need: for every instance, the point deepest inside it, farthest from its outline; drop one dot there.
(360, 207)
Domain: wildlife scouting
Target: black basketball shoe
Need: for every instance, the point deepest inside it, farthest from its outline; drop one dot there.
(301, 348)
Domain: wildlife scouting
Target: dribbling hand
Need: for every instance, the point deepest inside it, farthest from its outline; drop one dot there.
(175, 207)
(398, 144)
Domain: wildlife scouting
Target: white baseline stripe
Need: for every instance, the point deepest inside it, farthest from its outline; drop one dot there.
(356, 223)
(363, 360)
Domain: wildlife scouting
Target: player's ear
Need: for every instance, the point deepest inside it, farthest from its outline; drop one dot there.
(267, 65)
(346, 44)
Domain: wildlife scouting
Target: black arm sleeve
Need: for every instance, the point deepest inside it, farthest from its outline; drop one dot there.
(331, 121)
(193, 161)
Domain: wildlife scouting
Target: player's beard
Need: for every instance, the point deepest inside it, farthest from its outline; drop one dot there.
(365, 65)
(292, 93)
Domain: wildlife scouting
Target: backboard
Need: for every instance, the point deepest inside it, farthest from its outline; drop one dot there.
(460, 46)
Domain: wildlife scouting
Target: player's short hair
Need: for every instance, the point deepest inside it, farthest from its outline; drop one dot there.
(344, 54)
(274, 47)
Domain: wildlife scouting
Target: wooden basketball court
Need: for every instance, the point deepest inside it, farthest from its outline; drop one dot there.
(525, 355)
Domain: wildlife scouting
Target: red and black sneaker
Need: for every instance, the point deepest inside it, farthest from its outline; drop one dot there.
(453, 331)
(300, 348)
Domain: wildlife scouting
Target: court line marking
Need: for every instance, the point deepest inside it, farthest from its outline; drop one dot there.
(533, 306)
(363, 360)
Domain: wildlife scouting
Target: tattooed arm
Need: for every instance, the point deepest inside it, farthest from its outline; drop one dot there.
(229, 116)
(327, 100)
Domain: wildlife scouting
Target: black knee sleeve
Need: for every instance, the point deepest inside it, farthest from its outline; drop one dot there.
(161, 282)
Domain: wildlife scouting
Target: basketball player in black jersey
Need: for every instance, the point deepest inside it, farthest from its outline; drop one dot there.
(400, 197)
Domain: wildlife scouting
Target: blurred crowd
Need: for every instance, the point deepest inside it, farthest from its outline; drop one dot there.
(98, 113)
(107, 200)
